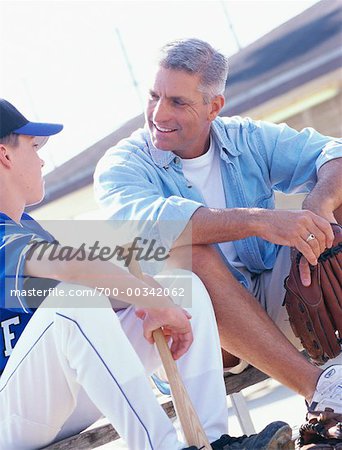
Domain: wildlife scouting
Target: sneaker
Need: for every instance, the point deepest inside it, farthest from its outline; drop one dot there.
(277, 435)
(328, 392)
(239, 368)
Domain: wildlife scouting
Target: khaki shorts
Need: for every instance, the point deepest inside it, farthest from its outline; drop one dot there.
(268, 288)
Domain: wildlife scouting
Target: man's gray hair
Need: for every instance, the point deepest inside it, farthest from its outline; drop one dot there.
(197, 57)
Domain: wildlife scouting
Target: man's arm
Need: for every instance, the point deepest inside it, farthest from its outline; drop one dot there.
(326, 196)
(291, 228)
(321, 207)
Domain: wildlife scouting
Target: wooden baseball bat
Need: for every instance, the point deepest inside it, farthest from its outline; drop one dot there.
(188, 418)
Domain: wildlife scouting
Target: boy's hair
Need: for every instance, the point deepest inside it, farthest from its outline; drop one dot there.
(11, 139)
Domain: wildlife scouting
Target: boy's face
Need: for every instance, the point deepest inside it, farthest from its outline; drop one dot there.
(27, 167)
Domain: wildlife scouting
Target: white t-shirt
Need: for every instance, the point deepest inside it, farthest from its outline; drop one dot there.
(204, 173)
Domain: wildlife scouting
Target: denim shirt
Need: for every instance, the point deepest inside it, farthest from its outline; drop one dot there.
(136, 181)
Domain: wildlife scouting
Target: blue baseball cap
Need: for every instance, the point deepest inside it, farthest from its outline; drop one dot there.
(12, 121)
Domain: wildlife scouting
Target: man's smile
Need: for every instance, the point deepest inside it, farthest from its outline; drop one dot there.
(163, 129)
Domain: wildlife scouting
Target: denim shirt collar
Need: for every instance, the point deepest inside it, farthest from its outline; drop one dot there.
(219, 131)
(163, 158)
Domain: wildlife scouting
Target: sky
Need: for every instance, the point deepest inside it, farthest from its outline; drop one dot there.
(86, 64)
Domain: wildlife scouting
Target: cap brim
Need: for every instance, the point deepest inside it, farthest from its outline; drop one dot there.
(39, 129)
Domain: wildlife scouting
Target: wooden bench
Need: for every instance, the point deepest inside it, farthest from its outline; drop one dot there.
(104, 434)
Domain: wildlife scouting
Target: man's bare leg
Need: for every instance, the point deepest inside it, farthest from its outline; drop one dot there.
(245, 329)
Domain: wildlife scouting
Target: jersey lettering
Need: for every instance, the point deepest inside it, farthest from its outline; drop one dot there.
(8, 335)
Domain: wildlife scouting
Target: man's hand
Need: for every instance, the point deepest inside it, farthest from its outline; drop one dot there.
(304, 272)
(175, 323)
(293, 228)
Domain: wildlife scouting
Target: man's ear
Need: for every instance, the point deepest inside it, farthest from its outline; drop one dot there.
(216, 104)
(5, 156)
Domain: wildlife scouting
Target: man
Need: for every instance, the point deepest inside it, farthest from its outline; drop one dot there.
(67, 360)
(215, 178)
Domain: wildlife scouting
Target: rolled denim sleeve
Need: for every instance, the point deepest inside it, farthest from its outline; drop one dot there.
(331, 150)
(129, 189)
(293, 157)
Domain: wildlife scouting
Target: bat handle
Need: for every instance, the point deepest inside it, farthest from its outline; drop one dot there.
(192, 428)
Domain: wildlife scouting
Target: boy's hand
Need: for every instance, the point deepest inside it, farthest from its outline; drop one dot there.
(175, 323)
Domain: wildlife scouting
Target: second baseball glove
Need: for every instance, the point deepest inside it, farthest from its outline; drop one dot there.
(323, 431)
(315, 312)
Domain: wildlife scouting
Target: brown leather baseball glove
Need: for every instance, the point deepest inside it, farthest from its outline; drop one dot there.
(315, 312)
(323, 431)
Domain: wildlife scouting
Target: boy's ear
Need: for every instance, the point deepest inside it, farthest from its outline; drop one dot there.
(5, 157)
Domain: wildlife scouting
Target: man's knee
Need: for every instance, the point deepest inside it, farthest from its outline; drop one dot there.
(194, 257)
(201, 254)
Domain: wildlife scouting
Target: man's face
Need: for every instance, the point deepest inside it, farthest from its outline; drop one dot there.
(28, 170)
(176, 115)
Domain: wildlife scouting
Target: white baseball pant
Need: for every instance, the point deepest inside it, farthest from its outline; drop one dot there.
(72, 365)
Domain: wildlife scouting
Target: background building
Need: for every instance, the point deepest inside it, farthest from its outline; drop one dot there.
(292, 74)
